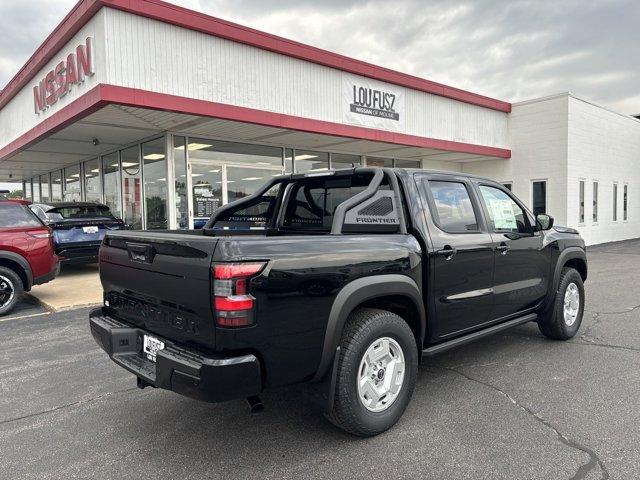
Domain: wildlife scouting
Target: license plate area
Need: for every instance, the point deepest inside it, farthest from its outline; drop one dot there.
(90, 229)
(151, 346)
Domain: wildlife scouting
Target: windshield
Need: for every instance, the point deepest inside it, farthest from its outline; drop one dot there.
(79, 212)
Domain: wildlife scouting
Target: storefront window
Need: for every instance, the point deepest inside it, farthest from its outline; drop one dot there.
(92, 188)
(36, 189)
(131, 187)
(45, 196)
(180, 182)
(56, 186)
(243, 181)
(155, 183)
(72, 192)
(222, 172)
(379, 162)
(111, 179)
(288, 160)
(399, 163)
(310, 161)
(206, 185)
(341, 160)
(28, 194)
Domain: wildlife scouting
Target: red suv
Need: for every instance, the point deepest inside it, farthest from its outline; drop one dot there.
(26, 252)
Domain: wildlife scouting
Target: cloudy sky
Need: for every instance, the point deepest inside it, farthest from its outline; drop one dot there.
(509, 49)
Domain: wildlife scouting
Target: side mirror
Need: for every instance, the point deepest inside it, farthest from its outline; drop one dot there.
(544, 221)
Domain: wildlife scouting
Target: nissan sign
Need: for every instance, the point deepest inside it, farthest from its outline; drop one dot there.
(69, 72)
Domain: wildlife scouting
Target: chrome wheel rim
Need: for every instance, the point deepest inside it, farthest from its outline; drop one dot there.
(6, 291)
(571, 304)
(381, 374)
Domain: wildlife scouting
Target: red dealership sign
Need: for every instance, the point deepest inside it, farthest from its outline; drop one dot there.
(59, 81)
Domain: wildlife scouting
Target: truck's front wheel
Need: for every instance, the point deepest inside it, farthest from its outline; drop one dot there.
(376, 374)
(563, 320)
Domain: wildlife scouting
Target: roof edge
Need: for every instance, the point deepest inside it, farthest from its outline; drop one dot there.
(105, 94)
(165, 12)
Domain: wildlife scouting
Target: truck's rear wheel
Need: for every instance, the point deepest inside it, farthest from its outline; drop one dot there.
(376, 374)
(11, 289)
(563, 321)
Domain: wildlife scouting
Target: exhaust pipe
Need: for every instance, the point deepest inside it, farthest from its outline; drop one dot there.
(255, 404)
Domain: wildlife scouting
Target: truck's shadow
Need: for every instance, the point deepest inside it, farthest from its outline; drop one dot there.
(228, 436)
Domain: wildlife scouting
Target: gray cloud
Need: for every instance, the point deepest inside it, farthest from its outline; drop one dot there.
(512, 50)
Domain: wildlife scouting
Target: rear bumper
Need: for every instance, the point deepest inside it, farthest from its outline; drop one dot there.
(78, 253)
(182, 370)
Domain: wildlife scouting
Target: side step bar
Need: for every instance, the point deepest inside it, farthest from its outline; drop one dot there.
(470, 337)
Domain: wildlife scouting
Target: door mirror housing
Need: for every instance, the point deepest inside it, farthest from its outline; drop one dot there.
(544, 221)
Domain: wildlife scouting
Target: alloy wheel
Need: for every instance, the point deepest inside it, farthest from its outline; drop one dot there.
(381, 374)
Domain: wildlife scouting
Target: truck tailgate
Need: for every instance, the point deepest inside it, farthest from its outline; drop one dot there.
(161, 282)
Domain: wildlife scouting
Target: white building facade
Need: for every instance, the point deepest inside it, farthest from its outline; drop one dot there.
(165, 114)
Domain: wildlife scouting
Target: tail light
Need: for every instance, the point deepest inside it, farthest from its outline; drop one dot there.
(232, 301)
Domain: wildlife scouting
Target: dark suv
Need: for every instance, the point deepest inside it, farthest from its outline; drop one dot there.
(344, 279)
(26, 252)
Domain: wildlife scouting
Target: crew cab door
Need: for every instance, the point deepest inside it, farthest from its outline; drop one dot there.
(522, 264)
(460, 258)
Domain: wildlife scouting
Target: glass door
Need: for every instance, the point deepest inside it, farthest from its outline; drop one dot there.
(214, 184)
(244, 180)
(206, 190)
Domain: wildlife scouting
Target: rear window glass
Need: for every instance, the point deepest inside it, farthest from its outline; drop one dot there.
(14, 215)
(312, 204)
(313, 208)
(80, 211)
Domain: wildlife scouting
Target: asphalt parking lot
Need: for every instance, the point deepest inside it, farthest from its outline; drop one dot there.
(512, 406)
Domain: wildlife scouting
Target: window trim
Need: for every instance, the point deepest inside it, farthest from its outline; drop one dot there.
(426, 179)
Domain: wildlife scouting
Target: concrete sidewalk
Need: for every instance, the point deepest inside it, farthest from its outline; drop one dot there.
(75, 286)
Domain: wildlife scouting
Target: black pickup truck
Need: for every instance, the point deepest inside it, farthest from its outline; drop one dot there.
(344, 279)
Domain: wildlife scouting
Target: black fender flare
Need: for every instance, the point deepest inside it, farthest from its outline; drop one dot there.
(565, 255)
(353, 294)
(20, 260)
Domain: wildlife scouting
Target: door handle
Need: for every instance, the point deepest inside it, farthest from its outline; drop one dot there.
(447, 252)
(503, 248)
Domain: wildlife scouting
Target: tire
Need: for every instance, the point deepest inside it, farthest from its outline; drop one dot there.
(364, 333)
(557, 323)
(11, 289)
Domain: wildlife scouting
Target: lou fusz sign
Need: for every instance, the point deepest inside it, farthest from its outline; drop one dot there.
(60, 80)
(370, 103)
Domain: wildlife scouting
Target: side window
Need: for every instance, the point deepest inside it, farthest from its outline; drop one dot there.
(505, 215)
(454, 211)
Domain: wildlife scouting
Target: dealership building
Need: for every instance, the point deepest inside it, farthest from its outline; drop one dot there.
(165, 114)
